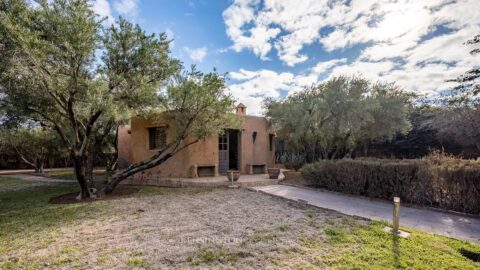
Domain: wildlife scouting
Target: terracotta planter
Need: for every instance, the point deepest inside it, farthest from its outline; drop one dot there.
(273, 173)
(233, 174)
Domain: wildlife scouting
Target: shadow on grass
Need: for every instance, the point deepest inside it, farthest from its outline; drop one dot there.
(469, 254)
(396, 250)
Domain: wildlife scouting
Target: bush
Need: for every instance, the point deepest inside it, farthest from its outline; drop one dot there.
(437, 180)
(291, 161)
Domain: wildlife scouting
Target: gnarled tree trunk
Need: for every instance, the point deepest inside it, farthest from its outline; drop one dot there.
(159, 158)
(80, 169)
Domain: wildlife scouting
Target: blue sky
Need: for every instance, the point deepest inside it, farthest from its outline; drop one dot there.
(273, 48)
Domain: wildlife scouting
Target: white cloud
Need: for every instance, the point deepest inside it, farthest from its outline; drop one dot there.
(390, 27)
(128, 8)
(251, 87)
(258, 38)
(102, 8)
(255, 25)
(417, 44)
(323, 67)
(197, 54)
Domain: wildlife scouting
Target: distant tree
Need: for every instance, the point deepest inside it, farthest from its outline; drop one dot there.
(459, 123)
(33, 145)
(460, 115)
(62, 68)
(469, 83)
(424, 137)
(329, 120)
(390, 111)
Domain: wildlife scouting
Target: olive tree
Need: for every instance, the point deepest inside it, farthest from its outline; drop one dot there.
(62, 68)
(328, 120)
(459, 117)
(197, 106)
(32, 145)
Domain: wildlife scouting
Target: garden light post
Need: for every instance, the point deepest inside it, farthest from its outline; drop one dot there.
(396, 214)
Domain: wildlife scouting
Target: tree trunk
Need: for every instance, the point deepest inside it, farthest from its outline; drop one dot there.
(79, 169)
(113, 160)
(157, 159)
(39, 164)
(36, 165)
(89, 156)
(131, 170)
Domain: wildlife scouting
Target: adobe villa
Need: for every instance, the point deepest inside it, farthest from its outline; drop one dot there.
(251, 150)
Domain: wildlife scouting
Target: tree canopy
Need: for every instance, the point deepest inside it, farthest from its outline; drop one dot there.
(459, 115)
(330, 119)
(62, 67)
(32, 145)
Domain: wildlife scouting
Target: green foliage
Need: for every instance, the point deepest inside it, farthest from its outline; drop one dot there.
(63, 68)
(468, 88)
(438, 180)
(196, 103)
(33, 145)
(328, 120)
(291, 160)
(459, 117)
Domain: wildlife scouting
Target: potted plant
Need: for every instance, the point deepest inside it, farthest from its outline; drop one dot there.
(233, 175)
(273, 173)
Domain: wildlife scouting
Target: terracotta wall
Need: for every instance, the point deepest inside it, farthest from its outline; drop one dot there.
(124, 146)
(259, 152)
(133, 147)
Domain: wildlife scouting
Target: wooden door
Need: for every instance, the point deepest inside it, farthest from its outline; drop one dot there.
(223, 160)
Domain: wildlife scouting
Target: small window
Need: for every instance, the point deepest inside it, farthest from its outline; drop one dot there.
(157, 137)
(223, 141)
(271, 141)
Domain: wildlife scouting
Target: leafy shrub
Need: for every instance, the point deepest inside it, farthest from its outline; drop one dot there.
(437, 180)
(291, 160)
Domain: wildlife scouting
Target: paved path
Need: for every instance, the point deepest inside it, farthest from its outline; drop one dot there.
(29, 171)
(37, 178)
(451, 225)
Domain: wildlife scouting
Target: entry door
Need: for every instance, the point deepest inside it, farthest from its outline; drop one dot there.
(223, 153)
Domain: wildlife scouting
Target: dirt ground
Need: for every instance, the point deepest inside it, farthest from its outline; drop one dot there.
(198, 228)
(214, 229)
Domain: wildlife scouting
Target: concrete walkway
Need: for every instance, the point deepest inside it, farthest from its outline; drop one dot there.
(31, 171)
(451, 225)
(36, 178)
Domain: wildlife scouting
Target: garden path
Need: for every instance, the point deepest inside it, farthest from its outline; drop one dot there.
(448, 224)
(37, 178)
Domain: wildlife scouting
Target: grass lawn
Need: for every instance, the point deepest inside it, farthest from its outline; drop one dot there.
(160, 228)
(68, 174)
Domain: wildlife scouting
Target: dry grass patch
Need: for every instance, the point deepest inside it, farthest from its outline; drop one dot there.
(161, 228)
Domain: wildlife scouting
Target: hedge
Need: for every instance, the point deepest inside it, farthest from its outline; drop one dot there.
(446, 183)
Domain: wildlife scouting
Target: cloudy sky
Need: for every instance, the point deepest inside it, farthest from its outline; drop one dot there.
(273, 48)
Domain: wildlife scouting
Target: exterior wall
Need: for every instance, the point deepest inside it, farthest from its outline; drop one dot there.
(257, 153)
(124, 146)
(133, 147)
(173, 167)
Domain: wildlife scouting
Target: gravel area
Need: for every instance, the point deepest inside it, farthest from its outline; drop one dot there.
(189, 228)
